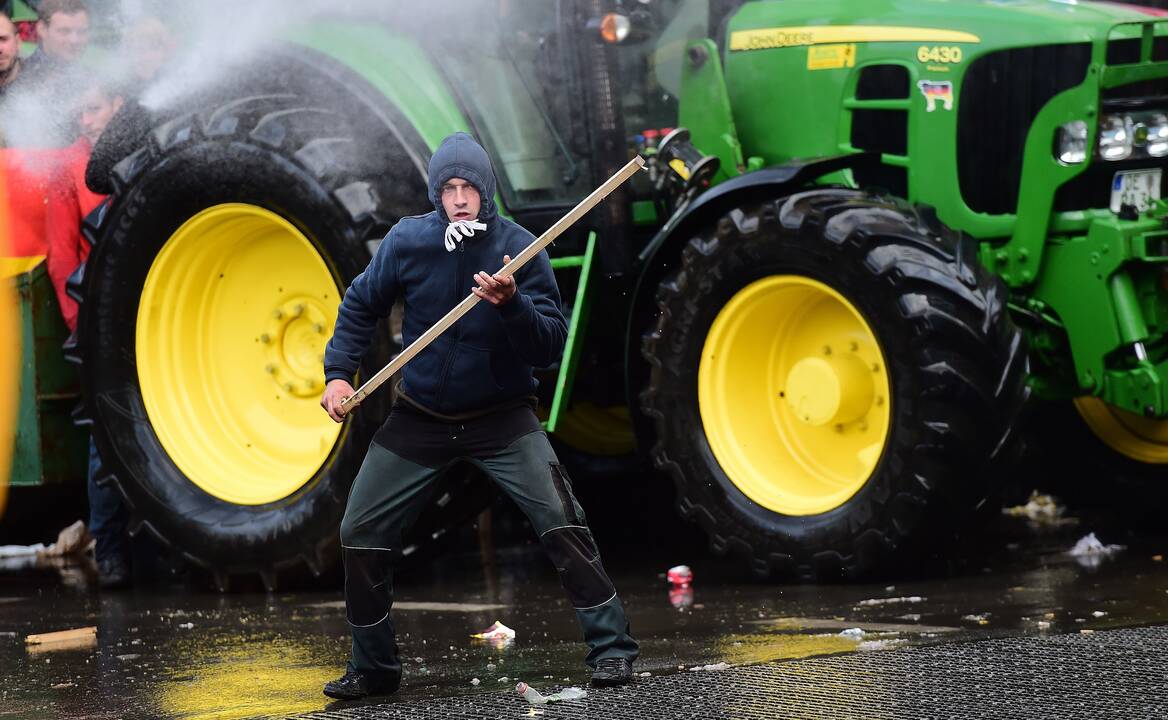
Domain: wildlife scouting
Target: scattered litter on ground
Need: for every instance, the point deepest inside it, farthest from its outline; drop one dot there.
(1089, 551)
(187, 625)
(72, 540)
(911, 617)
(715, 666)
(504, 679)
(854, 633)
(869, 645)
(646, 674)
(1041, 509)
(1098, 613)
(980, 618)
(490, 667)
(679, 575)
(62, 640)
(497, 631)
(475, 681)
(1085, 631)
(837, 624)
(129, 656)
(62, 635)
(20, 550)
(890, 601)
(1043, 624)
(534, 696)
(62, 686)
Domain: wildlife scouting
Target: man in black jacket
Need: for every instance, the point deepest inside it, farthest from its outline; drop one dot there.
(468, 396)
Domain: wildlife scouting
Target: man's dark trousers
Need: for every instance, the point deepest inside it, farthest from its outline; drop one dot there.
(397, 478)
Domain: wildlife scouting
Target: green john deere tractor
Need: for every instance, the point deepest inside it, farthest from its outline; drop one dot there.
(868, 232)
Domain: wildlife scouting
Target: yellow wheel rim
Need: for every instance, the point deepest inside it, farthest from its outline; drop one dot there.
(1139, 438)
(794, 395)
(231, 330)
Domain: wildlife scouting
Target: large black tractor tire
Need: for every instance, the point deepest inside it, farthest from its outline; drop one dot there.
(274, 179)
(954, 370)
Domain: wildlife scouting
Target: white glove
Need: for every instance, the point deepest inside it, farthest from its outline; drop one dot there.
(459, 229)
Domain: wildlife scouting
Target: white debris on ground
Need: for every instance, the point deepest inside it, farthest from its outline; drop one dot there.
(869, 645)
(852, 633)
(1041, 509)
(715, 666)
(1090, 552)
(890, 601)
(980, 618)
(497, 631)
(21, 550)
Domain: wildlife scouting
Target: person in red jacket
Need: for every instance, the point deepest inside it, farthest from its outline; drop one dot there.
(69, 200)
(67, 203)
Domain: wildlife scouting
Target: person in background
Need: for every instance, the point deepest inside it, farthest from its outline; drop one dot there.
(62, 38)
(39, 109)
(10, 62)
(68, 202)
(149, 46)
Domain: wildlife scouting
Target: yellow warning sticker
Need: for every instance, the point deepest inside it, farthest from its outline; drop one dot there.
(831, 57)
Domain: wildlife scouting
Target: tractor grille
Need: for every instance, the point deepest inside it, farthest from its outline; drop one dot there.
(882, 131)
(1001, 94)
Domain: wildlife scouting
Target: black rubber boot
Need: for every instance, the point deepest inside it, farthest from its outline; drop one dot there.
(355, 685)
(113, 572)
(612, 671)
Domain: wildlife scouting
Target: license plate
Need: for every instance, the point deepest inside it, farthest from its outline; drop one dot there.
(1135, 187)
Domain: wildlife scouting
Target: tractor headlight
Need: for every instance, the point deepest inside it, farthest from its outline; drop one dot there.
(1139, 134)
(1072, 142)
(1157, 143)
(1115, 137)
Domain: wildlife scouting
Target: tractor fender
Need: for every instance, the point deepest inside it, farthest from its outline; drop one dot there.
(661, 253)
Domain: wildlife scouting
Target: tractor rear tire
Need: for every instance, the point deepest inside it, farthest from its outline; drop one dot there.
(211, 288)
(773, 310)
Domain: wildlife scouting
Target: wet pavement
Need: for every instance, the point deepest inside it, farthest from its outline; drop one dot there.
(178, 651)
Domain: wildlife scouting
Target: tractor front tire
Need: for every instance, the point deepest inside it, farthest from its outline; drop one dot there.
(211, 290)
(832, 374)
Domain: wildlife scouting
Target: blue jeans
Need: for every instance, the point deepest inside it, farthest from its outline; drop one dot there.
(108, 517)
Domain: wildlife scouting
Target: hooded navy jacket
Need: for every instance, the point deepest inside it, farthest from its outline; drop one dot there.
(487, 357)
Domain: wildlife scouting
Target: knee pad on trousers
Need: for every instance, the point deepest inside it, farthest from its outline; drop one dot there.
(368, 589)
(574, 554)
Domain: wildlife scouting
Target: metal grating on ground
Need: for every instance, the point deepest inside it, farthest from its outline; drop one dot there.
(1112, 674)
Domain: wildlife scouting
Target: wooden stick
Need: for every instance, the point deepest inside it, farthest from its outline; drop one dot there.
(509, 269)
(62, 636)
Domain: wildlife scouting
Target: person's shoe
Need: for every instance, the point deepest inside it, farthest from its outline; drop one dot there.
(356, 685)
(612, 671)
(113, 572)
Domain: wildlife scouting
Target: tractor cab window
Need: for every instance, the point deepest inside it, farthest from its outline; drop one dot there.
(649, 61)
(514, 73)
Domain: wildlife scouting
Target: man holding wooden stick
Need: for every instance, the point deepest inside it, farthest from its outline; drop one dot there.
(467, 396)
